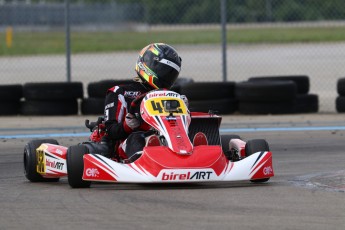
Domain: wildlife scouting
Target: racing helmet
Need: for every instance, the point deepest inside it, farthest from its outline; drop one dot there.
(158, 65)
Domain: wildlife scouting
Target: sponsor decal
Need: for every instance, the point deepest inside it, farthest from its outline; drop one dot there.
(132, 94)
(164, 94)
(40, 167)
(267, 170)
(92, 172)
(54, 164)
(58, 151)
(184, 175)
(147, 71)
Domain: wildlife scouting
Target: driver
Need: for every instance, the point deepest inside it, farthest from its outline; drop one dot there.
(157, 67)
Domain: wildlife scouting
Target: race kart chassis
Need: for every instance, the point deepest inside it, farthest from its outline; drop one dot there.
(189, 149)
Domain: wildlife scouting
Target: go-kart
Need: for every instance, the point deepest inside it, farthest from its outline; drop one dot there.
(182, 147)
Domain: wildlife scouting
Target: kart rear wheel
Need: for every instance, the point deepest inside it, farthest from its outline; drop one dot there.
(75, 166)
(30, 161)
(225, 140)
(253, 146)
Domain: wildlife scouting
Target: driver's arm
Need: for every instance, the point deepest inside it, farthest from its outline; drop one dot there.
(114, 114)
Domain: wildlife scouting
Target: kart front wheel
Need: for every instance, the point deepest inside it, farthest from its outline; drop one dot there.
(30, 161)
(253, 146)
(75, 166)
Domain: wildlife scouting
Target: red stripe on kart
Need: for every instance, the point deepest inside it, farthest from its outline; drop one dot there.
(263, 160)
(97, 162)
(131, 165)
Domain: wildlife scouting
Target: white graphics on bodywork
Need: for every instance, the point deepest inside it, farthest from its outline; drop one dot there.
(187, 175)
(267, 170)
(92, 172)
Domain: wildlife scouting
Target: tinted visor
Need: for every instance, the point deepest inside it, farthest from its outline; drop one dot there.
(166, 76)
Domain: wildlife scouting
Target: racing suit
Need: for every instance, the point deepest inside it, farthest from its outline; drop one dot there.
(117, 102)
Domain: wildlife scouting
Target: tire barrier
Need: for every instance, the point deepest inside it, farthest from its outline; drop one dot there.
(10, 96)
(266, 97)
(276, 95)
(209, 90)
(340, 104)
(51, 98)
(340, 99)
(99, 89)
(50, 108)
(180, 82)
(258, 95)
(218, 97)
(92, 106)
(217, 106)
(307, 103)
(50, 91)
(302, 81)
(266, 91)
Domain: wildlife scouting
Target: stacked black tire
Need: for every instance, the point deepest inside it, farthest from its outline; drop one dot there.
(51, 98)
(10, 96)
(218, 97)
(340, 100)
(94, 104)
(276, 95)
(181, 82)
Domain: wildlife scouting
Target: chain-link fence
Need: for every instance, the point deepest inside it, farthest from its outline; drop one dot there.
(264, 37)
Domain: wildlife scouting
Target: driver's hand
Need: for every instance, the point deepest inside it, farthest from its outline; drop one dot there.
(131, 121)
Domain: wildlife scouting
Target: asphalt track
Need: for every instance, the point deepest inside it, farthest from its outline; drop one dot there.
(308, 191)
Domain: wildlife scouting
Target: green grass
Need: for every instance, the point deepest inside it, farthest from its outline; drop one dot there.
(26, 43)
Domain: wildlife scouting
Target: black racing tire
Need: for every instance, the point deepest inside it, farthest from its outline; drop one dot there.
(181, 81)
(307, 103)
(99, 89)
(11, 93)
(340, 104)
(256, 145)
(302, 81)
(286, 107)
(341, 86)
(218, 106)
(92, 106)
(30, 161)
(49, 108)
(9, 107)
(266, 91)
(75, 166)
(225, 140)
(208, 90)
(253, 146)
(50, 91)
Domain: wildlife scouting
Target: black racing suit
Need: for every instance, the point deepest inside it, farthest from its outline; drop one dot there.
(117, 102)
